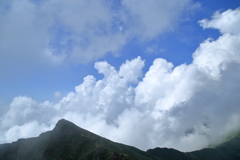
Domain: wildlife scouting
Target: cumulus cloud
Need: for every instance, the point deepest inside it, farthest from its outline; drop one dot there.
(26, 130)
(226, 22)
(186, 107)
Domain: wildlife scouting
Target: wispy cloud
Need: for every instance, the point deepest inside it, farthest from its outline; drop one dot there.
(79, 31)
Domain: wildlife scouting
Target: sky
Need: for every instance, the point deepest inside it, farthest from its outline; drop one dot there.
(157, 73)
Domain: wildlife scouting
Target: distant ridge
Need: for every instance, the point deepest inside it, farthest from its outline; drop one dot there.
(70, 142)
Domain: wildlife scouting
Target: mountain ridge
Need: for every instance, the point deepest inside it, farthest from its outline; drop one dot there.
(67, 141)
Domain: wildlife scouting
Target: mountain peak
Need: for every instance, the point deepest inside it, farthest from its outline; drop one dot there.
(66, 127)
(63, 122)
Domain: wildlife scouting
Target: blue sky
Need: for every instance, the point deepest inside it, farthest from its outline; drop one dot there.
(159, 50)
(176, 46)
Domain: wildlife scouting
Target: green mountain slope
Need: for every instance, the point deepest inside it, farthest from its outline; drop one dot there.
(229, 150)
(69, 142)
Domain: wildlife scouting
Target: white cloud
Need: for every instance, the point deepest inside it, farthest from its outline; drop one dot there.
(212, 57)
(154, 17)
(26, 130)
(226, 22)
(20, 111)
(186, 107)
(57, 94)
(154, 49)
(76, 32)
(21, 37)
(131, 70)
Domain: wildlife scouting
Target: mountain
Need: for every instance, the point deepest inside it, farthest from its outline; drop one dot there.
(69, 142)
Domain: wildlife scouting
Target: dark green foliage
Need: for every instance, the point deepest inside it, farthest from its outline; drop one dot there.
(69, 142)
(169, 154)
